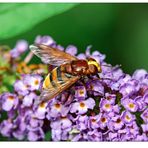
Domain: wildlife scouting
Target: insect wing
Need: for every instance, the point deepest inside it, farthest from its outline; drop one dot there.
(51, 55)
(52, 92)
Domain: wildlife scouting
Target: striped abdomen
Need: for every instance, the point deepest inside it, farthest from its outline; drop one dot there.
(56, 82)
(56, 78)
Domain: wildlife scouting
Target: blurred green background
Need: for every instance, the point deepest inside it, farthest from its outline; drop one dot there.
(118, 30)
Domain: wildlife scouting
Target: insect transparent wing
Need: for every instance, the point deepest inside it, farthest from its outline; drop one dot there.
(51, 55)
(52, 92)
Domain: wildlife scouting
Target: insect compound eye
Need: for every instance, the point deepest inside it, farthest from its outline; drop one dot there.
(79, 65)
(93, 62)
(93, 69)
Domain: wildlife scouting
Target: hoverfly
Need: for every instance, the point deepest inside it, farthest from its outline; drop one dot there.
(69, 70)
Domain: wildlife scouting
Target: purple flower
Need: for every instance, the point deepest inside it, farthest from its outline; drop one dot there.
(133, 129)
(127, 137)
(140, 102)
(20, 124)
(94, 122)
(94, 135)
(19, 135)
(81, 56)
(130, 105)
(127, 117)
(106, 105)
(19, 128)
(144, 115)
(139, 74)
(121, 81)
(34, 124)
(117, 73)
(110, 97)
(84, 56)
(46, 40)
(57, 109)
(61, 128)
(41, 111)
(116, 109)
(80, 92)
(33, 81)
(144, 82)
(96, 55)
(64, 123)
(103, 120)
(112, 136)
(145, 128)
(21, 88)
(38, 134)
(142, 137)
(12, 113)
(82, 106)
(9, 101)
(127, 89)
(96, 87)
(56, 134)
(145, 98)
(28, 99)
(81, 122)
(60, 47)
(71, 50)
(6, 128)
(116, 123)
(20, 47)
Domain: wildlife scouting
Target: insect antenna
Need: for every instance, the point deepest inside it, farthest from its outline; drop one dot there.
(103, 78)
(117, 66)
(112, 68)
(106, 79)
(105, 65)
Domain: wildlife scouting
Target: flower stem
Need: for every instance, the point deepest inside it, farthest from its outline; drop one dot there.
(28, 57)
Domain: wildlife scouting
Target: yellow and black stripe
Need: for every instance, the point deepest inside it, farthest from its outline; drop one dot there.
(56, 78)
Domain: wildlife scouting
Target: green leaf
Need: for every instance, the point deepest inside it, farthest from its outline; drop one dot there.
(8, 81)
(48, 136)
(18, 18)
(3, 138)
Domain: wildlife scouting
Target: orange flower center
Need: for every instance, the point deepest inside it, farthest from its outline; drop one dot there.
(131, 105)
(127, 117)
(103, 119)
(107, 105)
(63, 117)
(118, 121)
(11, 98)
(36, 82)
(57, 105)
(93, 120)
(82, 104)
(81, 92)
(42, 105)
